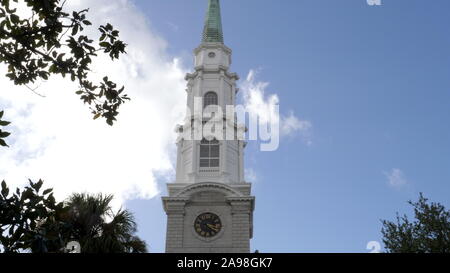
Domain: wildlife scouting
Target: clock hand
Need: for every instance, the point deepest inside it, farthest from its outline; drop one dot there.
(212, 227)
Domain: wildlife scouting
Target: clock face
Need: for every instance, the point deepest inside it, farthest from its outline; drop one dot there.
(207, 225)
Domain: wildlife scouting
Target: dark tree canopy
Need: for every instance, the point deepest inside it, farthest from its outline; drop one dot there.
(31, 220)
(52, 42)
(99, 229)
(429, 232)
(22, 212)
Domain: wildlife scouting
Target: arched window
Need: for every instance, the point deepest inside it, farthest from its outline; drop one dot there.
(209, 153)
(210, 98)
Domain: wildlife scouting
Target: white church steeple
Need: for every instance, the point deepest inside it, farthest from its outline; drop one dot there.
(209, 207)
(211, 87)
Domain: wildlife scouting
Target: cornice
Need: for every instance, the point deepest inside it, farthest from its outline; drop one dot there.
(220, 187)
(213, 46)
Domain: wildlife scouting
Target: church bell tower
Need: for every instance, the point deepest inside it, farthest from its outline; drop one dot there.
(209, 207)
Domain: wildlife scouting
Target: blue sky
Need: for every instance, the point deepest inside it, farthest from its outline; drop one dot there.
(374, 82)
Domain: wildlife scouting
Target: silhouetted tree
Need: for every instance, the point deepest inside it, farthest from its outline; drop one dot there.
(428, 233)
(50, 41)
(21, 214)
(99, 229)
(31, 220)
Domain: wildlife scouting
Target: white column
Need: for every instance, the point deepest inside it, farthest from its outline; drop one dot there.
(221, 93)
(241, 161)
(180, 165)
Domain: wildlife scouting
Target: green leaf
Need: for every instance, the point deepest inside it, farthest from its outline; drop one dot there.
(3, 143)
(4, 134)
(51, 198)
(47, 191)
(4, 123)
(37, 186)
(15, 19)
(74, 30)
(97, 116)
(5, 189)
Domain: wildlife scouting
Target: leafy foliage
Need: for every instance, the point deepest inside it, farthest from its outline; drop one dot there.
(33, 221)
(3, 134)
(51, 42)
(428, 233)
(99, 229)
(21, 215)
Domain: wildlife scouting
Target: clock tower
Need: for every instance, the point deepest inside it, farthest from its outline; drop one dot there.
(209, 207)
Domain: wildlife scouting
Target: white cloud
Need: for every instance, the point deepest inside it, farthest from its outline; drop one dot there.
(55, 138)
(173, 26)
(291, 125)
(255, 99)
(257, 102)
(250, 175)
(396, 178)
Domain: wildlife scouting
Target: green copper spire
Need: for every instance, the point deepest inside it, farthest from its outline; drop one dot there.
(212, 33)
